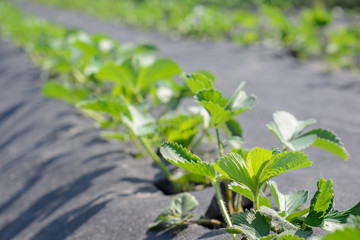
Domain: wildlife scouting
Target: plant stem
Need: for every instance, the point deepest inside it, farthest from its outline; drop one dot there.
(228, 191)
(136, 141)
(238, 207)
(221, 151)
(223, 207)
(156, 158)
(256, 201)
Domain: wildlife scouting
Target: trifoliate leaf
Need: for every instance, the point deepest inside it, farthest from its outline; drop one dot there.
(246, 192)
(260, 166)
(240, 101)
(290, 132)
(61, 91)
(287, 128)
(251, 224)
(321, 203)
(221, 109)
(177, 212)
(288, 204)
(182, 158)
(217, 113)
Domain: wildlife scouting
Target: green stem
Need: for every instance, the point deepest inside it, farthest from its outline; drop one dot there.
(136, 141)
(228, 191)
(239, 208)
(221, 151)
(156, 158)
(223, 207)
(256, 201)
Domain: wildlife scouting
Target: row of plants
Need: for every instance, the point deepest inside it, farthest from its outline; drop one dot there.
(306, 33)
(136, 97)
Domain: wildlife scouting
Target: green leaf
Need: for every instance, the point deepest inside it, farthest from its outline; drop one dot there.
(251, 224)
(284, 162)
(185, 177)
(61, 91)
(210, 95)
(260, 166)
(140, 123)
(342, 216)
(296, 215)
(278, 223)
(233, 166)
(246, 192)
(105, 104)
(214, 103)
(288, 204)
(182, 158)
(321, 203)
(122, 75)
(240, 101)
(328, 141)
(234, 133)
(197, 82)
(256, 161)
(233, 128)
(162, 68)
(287, 129)
(180, 128)
(344, 234)
(177, 212)
(217, 113)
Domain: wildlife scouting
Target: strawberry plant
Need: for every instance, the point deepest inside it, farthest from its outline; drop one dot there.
(249, 174)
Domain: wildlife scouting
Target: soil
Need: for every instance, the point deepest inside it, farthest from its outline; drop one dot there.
(60, 180)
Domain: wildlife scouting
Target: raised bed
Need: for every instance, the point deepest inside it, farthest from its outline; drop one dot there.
(68, 182)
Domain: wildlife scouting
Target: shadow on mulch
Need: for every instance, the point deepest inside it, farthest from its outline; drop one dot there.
(50, 202)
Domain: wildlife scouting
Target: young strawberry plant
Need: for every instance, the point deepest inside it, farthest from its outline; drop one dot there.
(249, 174)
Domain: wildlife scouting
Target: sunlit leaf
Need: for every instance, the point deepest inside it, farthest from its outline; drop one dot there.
(321, 203)
(182, 158)
(289, 203)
